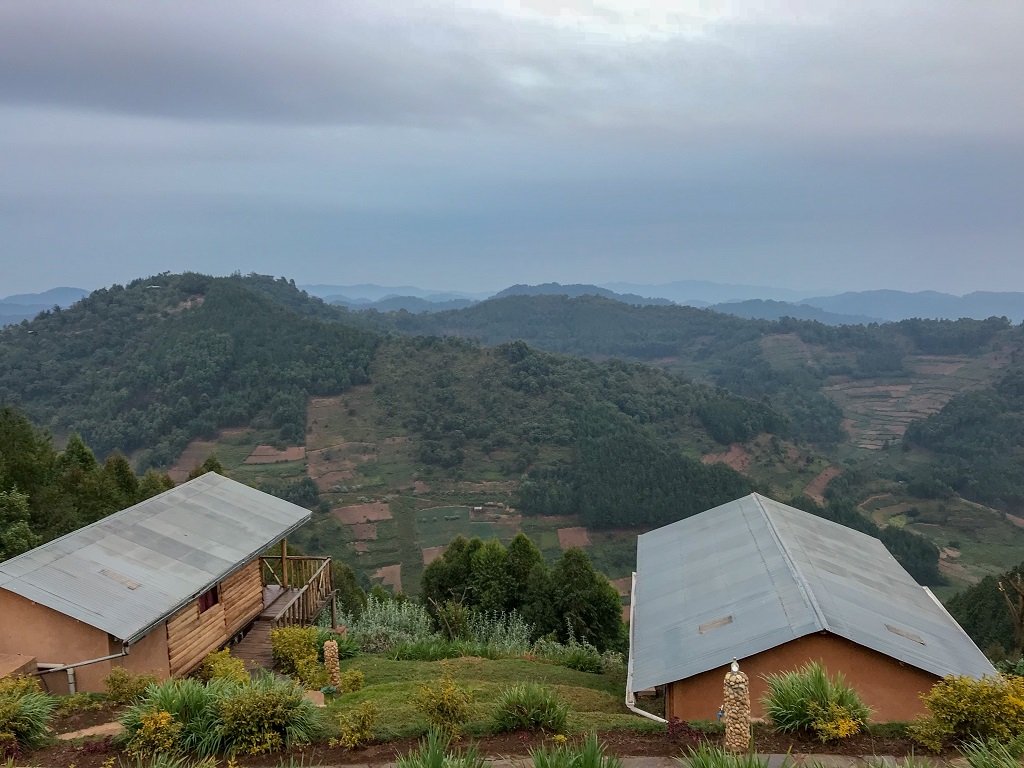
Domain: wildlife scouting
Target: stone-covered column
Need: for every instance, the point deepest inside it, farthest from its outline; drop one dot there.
(736, 710)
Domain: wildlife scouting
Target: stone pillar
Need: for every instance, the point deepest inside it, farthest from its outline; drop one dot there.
(736, 710)
(331, 662)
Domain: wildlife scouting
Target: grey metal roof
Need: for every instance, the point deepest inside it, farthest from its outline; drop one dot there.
(128, 572)
(752, 574)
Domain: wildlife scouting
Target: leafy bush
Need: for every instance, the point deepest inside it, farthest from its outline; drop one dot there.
(707, 756)
(169, 761)
(124, 686)
(961, 708)
(24, 715)
(433, 753)
(507, 633)
(297, 652)
(529, 706)
(348, 647)
(809, 700)
(351, 681)
(267, 716)
(222, 665)
(581, 656)
(357, 726)
(384, 624)
(446, 705)
(590, 754)
(158, 733)
(222, 716)
(293, 647)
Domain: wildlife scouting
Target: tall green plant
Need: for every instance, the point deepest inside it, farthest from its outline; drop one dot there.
(589, 754)
(433, 752)
(809, 700)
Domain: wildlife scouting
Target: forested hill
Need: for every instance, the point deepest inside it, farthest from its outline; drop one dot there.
(729, 351)
(147, 367)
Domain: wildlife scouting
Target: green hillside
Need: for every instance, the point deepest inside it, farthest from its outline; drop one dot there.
(401, 441)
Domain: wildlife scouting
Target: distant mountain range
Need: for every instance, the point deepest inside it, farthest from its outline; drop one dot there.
(25, 306)
(749, 301)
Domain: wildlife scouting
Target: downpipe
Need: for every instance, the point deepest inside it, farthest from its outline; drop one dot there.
(46, 669)
(630, 698)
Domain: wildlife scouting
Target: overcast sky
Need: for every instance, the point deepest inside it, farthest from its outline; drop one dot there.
(472, 144)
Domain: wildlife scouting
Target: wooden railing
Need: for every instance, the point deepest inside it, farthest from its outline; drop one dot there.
(309, 588)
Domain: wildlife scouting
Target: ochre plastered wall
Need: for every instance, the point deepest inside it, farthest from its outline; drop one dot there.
(891, 688)
(52, 638)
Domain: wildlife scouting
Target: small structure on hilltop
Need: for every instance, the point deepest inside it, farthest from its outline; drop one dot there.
(776, 587)
(157, 586)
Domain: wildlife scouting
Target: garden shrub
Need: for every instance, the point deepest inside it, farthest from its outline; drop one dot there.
(577, 655)
(356, 726)
(386, 623)
(24, 715)
(529, 706)
(124, 686)
(351, 681)
(445, 704)
(589, 754)
(157, 733)
(223, 666)
(295, 646)
(433, 752)
(961, 707)
(809, 701)
(222, 716)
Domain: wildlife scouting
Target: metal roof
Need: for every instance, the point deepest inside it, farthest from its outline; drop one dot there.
(130, 571)
(752, 574)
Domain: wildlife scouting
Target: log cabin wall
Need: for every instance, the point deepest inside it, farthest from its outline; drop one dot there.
(192, 633)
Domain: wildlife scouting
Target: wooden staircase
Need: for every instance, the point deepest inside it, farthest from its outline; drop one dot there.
(254, 649)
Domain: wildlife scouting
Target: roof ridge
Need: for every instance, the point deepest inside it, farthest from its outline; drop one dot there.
(801, 582)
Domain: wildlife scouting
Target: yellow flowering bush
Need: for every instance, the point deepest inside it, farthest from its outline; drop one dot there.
(961, 707)
(357, 726)
(221, 665)
(351, 681)
(158, 733)
(446, 705)
(834, 722)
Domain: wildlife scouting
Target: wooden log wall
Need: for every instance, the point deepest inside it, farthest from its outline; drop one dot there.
(241, 594)
(191, 634)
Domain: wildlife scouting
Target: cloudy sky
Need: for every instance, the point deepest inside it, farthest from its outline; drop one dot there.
(471, 144)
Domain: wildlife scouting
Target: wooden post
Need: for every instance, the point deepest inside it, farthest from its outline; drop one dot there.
(284, 563)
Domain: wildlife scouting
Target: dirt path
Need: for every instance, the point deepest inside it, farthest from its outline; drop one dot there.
(815, 489)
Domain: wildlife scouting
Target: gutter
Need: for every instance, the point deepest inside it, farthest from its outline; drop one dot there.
(45, 669)
(630, 698)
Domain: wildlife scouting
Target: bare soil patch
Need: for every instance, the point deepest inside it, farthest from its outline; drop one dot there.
(815, 489)
(938, 369)
(957, 571)
(195, 453)
(419, 487)
(364, 531)
(362, 513)
(361, 547)
(328, 481)
(430, 554)
(623, 585)
(736, 457)
(1018, 521)
(268, 454)
(949, 553)
(573, 537)
(390, 576)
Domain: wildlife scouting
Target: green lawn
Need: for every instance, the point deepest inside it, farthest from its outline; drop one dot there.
(595, 701)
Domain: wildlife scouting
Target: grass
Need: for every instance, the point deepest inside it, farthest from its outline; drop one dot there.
(594, 701)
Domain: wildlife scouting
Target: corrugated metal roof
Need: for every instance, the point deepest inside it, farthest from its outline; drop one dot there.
(129, 571)
(753, 574)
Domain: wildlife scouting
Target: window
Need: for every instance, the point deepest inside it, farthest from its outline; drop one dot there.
(207, 600)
